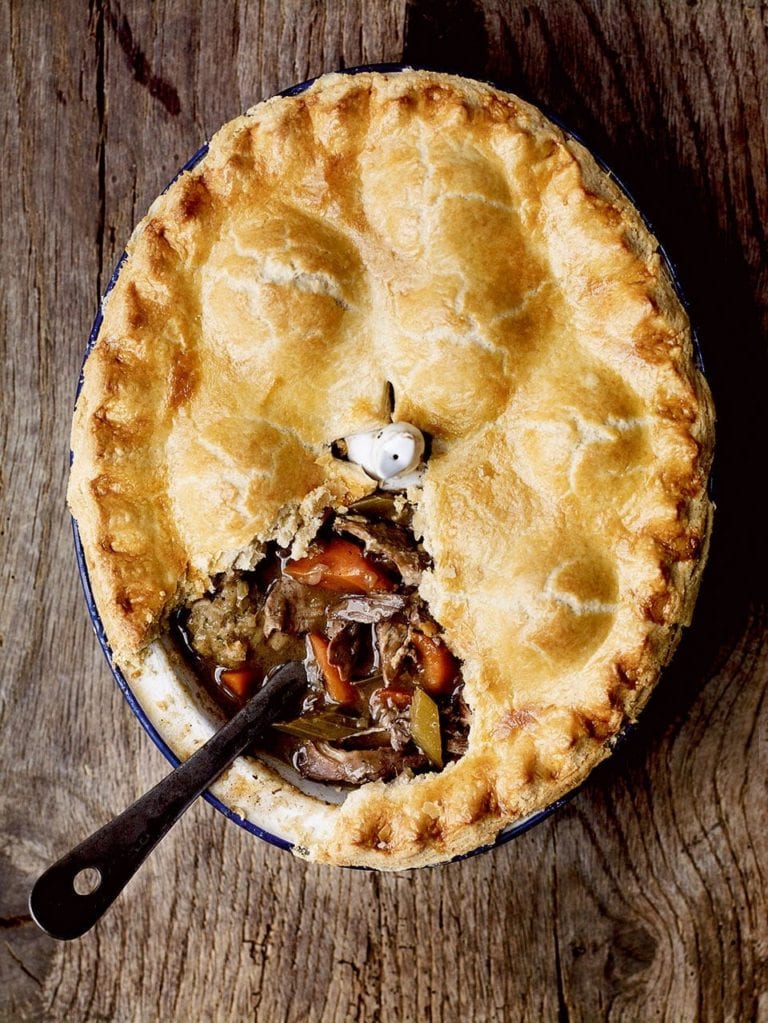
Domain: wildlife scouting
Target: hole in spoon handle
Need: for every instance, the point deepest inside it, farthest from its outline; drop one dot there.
(76, 891)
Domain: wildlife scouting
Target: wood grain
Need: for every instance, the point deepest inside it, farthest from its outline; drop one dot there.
(645, 897)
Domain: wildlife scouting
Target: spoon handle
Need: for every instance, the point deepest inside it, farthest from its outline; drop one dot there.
(117, 850)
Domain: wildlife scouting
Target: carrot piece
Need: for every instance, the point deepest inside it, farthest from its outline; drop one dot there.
(399, 698)
(339, 565)
(438, 667)
(338, 689)
(239, 681)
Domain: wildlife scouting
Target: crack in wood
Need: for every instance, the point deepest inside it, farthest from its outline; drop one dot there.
(157, 86)
(20, 962)
(563, 1015)
(9, 922)
(101, 111)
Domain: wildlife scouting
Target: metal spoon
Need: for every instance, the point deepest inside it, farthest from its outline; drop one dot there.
(115, 852)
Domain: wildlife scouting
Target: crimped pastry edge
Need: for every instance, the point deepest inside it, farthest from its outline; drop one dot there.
(129, 639)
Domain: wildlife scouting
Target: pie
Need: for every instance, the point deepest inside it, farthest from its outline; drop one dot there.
(420, 248)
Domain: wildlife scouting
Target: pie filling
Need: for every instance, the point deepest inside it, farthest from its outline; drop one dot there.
(384, 692)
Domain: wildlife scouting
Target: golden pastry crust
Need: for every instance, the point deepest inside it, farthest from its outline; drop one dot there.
(433, 233)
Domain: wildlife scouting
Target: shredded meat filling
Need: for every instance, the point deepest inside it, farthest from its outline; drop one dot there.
(320, 761)
(345, 648)
(393, 638)
(350, 609)
(391, 542)
(294, 608)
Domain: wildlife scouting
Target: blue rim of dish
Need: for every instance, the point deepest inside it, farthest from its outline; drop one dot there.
(98, 626)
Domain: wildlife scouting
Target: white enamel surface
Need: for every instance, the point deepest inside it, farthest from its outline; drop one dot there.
(273, 797)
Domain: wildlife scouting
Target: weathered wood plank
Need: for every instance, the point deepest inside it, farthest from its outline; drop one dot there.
(48, 217)
(644, 898)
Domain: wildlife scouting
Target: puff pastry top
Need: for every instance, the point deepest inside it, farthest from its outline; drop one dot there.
(433, 233)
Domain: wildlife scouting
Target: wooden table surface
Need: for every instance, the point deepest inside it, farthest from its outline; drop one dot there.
(644, 898)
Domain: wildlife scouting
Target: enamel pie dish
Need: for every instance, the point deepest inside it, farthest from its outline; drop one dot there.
(424, 263)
